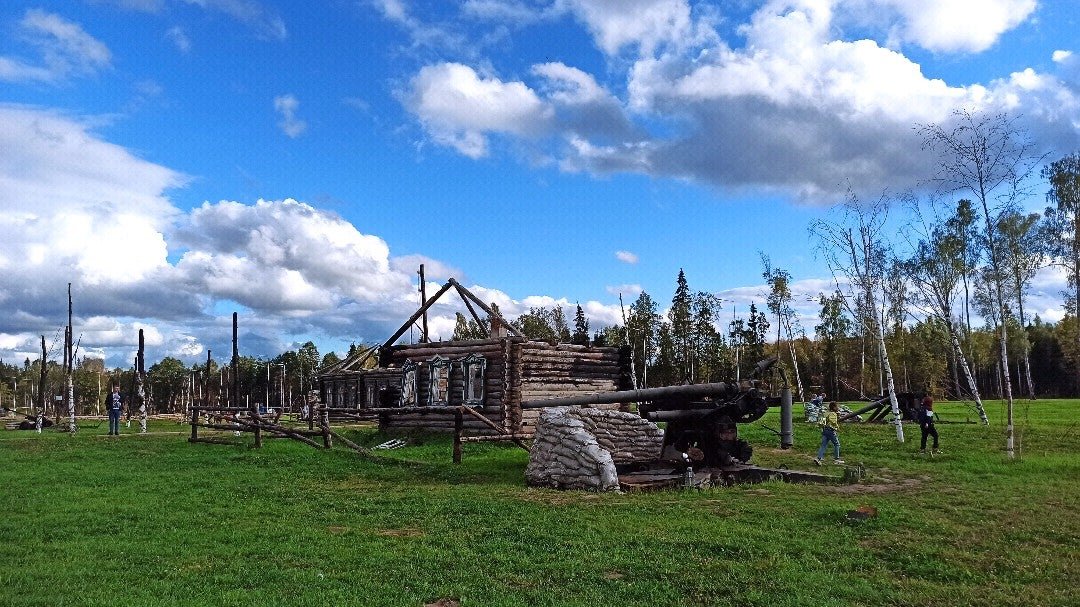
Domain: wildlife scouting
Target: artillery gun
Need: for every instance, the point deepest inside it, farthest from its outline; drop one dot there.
(701, 420)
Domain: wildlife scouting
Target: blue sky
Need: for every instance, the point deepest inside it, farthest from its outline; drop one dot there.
(180, 159)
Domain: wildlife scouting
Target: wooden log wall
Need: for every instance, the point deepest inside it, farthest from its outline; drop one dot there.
(493, 352)
(551, 371)
(515, 370)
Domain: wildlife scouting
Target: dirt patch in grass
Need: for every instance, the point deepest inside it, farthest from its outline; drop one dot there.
(879, 484)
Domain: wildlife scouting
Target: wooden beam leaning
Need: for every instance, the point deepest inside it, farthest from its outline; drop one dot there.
(468, 304)
(483, 306)
(423, 309)
(492, 425)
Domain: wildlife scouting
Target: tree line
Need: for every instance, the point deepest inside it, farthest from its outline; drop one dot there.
(171, 385)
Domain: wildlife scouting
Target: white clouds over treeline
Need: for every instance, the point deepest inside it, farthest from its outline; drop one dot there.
(78, 209)
(790, 103)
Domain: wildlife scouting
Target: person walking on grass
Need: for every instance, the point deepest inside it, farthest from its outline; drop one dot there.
(114, 404)
(926, 424)
(830, 427)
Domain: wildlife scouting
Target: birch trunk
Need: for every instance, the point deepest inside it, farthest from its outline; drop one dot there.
(70, 391)
(795, 360)
(961, 361)
(897, 421)
(1006, 383)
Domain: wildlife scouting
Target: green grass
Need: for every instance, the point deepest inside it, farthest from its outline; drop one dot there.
(152, 520)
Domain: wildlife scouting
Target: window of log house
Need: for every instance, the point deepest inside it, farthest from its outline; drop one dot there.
(474, 367)
(439, 381)
(408, 384)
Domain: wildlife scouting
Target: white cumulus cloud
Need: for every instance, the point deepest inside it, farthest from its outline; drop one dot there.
(460, 107)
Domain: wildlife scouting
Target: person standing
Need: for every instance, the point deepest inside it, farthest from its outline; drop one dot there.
(926, 424)
(114, 404)
(830, 428)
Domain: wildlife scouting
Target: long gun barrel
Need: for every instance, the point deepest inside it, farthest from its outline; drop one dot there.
(666, 393)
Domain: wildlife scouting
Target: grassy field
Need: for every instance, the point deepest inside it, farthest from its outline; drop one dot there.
(91, 519)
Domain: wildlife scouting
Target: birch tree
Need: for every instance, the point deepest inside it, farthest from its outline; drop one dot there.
(936, 268)
(779, 302)
(855, 248)
(1024, 238)
(989, 157)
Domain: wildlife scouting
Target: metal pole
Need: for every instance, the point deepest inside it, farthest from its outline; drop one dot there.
(787, 435)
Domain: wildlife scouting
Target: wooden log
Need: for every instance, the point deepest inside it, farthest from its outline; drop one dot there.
(493, 426)
(461, 343)
(260, 424)
(213, 441)
(570, 364)
(420, 353)
(348, 443)
(542, 345)
(227, 428)
(258, 428)
(556, 367)
(564, 380)
(194, 424)
(533, 353)
(518, 436)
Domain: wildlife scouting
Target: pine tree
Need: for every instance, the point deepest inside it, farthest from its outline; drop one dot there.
(581, 328)
(679, 317)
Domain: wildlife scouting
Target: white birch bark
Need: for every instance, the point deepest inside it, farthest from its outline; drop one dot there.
(70, 389)
(897, 418)
(961, 361)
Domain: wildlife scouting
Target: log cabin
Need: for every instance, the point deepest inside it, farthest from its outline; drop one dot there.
(493, 376)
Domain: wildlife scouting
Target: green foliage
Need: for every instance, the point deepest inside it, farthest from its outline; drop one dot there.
(329, 359)
(832, 335)
(748, 338)
(544, 324)
(468, 329)
(166, 380)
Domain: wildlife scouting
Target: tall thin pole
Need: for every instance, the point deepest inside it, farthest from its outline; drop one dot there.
(69, 362)
(234, 397)
(41, 385)
(423, 300)
(140, 382)
(206, 402)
